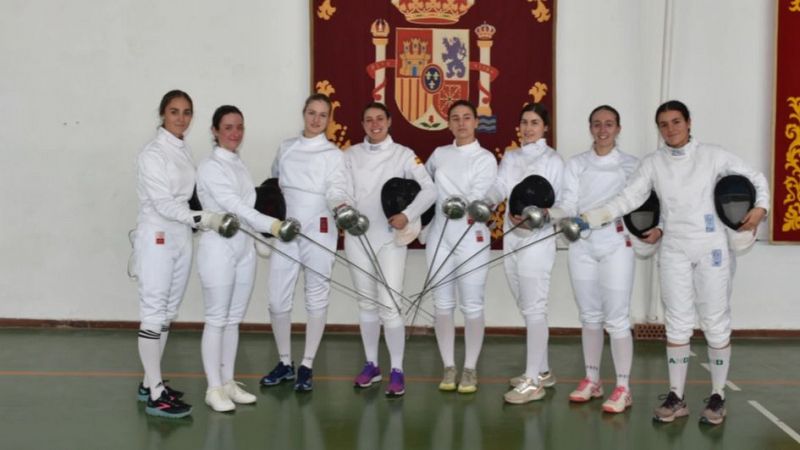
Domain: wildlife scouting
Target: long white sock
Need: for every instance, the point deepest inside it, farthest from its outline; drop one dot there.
(370, 336)
(445, 328)
(719, 361)
(315, 326)
(592, 340)
(622, 355)
(678, 364)
(150, 354)
(162, 344)
(282, 332)
(473, 339)
(211, 351)
(230, 345)
(396, 343)
(535, 345)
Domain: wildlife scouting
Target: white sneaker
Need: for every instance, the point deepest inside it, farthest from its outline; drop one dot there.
(525, 392)
(218, 400)
(237, 394)
(586, 391)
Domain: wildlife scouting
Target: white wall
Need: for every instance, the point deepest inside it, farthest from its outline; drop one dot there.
(80, 84)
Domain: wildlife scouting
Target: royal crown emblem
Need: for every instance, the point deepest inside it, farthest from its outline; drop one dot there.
(433, 12)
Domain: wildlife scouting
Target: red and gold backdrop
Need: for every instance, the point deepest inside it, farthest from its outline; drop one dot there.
(786, 158)
(418, 56)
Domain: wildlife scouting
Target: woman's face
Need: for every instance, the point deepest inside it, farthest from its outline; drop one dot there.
(315, 118)
(462, 123)
(674, 128)
(230, 132)
(531, 127)
(376, 125)
(177, 116)
(604, 129)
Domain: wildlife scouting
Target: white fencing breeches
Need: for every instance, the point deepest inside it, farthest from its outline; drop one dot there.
(227, 269)
(283, 273)
(528, 272)
(373, 294)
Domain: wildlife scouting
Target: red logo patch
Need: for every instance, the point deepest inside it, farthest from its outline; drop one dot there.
(160, 238)
(323, 224)
(478, 236)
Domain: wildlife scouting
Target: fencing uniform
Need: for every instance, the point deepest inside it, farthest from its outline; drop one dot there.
(312, 179)
(601, 266)
(162, 243)
(368, 167)
(226, 265)
(528, 271)
(694, 259)
(466, 171)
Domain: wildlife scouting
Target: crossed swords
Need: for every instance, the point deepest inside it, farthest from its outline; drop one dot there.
(413, 303)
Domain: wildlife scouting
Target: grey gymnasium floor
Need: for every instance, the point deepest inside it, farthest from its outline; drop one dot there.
(75, 389)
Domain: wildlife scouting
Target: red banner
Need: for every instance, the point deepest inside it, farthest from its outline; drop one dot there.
(419, 56)
(786, 162)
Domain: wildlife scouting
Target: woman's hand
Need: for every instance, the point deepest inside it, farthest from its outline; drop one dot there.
(398, 221)
(752, 219)
(652, 235)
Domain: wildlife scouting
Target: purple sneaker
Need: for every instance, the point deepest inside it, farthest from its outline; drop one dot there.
(397, 384)
(369, 374)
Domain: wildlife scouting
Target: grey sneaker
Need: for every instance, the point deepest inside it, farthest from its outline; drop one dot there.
(525, 392)
(469, 381)
(546, 379)
(672, 408)
(714, 413)
(448, 379)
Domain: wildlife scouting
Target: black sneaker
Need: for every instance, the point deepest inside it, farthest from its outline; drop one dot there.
(714, 414)
(672, 408)
(303, 383)
(280, 373)
(144, 393)
(167, 406)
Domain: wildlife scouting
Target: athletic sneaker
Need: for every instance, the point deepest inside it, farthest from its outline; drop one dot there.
(144, 392)
(586, 391)
(233, 389)
(397, 384)
(525, 392)
(546, 379)
(280, 373)
(369, 374)
(672, 408)
(619, 401)
(166, 406)
(448, 379)
(469, 381)
(303, 383)
(218, 400)
(714, 413)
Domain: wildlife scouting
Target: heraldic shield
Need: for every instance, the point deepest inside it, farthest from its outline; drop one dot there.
(432, 72)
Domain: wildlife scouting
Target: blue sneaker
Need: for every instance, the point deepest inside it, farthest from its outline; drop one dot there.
(369, 374)
(397, 384)
(280, 373)
(303, 383)
(144, 392)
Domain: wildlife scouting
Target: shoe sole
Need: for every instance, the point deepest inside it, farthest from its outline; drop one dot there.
(159, 413)
(611, 410)
(375, 379)
(707, 421)
(467, 390)
(584, 400)
(671, 418)
(277, 382)
(524, 400)
(395, 394)
(447, 387)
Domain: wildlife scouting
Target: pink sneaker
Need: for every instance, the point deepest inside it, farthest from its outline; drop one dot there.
(586, 391)
(619, 401)
(369, 374)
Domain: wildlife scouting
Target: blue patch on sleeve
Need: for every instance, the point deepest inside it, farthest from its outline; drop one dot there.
(709, 223)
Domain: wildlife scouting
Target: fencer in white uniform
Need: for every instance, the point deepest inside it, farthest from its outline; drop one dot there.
(466, 170)
(368, 166)
(528, 270)
(601, 265)
(163, 245)
(311, 175)
(694, 257)
(227, 266)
